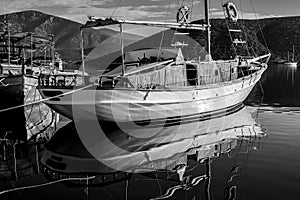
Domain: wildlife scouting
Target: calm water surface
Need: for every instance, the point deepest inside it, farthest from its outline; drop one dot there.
(252, 153)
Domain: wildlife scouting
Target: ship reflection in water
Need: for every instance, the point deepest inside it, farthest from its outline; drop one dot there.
(176, 163)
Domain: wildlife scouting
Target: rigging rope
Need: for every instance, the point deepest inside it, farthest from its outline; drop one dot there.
(192, 10)
(263, 37)
(115, 9)
(126, 190)
(160, 188)
(244, 29)
(247, 158)
(262, 98)
(161, 42)
(163, 33)
(28, 115)
(176, 27)
(34, 136)
(234, 164)
(170, 191)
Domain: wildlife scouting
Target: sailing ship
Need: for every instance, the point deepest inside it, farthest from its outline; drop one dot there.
(292, 62)
(157, 85)
(26, 53)
(11, 89)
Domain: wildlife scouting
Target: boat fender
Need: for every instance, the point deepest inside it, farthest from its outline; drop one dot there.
(231, 11)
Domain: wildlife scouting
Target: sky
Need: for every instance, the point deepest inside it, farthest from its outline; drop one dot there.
(161, 10)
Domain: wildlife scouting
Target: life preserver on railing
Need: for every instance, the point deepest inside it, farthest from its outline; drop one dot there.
(231, 11)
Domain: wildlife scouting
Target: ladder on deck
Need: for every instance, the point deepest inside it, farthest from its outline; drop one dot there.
(237, 37)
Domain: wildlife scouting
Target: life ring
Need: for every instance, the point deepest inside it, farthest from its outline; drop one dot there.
(231, 11)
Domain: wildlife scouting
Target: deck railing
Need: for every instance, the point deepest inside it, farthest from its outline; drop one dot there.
(59, 80)
(169, 76)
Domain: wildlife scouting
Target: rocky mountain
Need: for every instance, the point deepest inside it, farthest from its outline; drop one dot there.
(66, 32)
(281, 34)
(276, 34)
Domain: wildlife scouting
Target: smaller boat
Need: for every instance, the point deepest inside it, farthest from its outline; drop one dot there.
(278, 61)
(23, 56)
(291, 63)
(11, 88)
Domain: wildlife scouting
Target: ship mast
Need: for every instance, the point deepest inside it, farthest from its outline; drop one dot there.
(207, 22)
(6, 28)
(293, 53)
(82, 52)
(8, 48)
(122, 49)
(52, 51)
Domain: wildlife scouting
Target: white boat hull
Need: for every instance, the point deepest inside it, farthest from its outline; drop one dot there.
(127, 105)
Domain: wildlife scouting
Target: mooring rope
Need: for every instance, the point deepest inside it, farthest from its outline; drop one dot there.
(46, 99)
(46, 184)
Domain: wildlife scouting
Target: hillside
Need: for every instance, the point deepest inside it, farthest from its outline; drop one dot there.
(279, 33)
(279, 36)
(66, 32)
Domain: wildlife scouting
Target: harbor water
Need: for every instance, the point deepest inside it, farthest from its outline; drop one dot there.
(248, 153)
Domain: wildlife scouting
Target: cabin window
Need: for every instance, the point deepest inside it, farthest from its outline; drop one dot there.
(191, 74)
